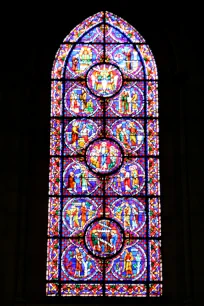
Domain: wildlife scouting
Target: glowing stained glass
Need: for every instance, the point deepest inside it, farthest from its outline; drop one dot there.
(126, 290)
(104, 80)
(104, 218)
(130, 179)
(79, 101)
(153, 137)
(56, 98)
(78, 133)
(155, 264)
(53, 259)
(155, 290)
(82, 290)
(129, 31)
(150, 65)
(77, 264)
(127, 59)
(130, 264)
(104, 156)
(94, 35)
(114, 35)
(55, 137)
(154, 217)
(90, 209)
(58, 66)
(52, 289)
(130, 214)
(154, 176)
(130, 134)
(128, 102)
(83, 27)
(54, 176)
(152, 99)
(78, 179)
(54, 217)
(81, 58)
(104, 238)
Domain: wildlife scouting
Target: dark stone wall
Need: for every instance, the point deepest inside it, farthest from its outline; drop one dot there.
(30, 37)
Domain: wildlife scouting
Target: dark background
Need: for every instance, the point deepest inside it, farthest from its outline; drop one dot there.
(30, 36)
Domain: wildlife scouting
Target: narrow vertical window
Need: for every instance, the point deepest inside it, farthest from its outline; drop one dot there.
(104, 225)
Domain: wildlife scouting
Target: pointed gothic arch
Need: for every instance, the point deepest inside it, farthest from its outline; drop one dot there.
(104, 226)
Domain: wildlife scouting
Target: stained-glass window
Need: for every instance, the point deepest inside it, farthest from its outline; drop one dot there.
(104, 219)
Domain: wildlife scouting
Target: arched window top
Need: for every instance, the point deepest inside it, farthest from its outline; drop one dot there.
(105, 27)
(109, 19)
(104, 226)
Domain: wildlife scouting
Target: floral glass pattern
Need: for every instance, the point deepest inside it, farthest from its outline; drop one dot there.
(104, 217)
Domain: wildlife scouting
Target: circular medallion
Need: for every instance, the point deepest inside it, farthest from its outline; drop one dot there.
(77, 264)
(79, 180)
(130, 179)
(104, 238)
(77, 213)
(78, 133)
(131, 264)
(131, 215)
(104, 156)
(104, 80)
(130, 134)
